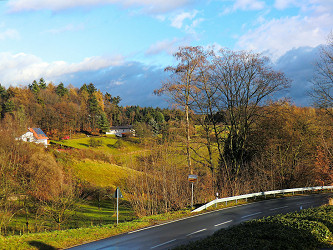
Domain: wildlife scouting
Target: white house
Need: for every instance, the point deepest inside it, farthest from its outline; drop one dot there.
(120, 130)
(35, 135)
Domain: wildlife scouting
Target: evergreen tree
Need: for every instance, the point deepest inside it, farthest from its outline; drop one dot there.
(84, 88)
(42, 83)
(34, 87)
(61, 90)
(3, 92)
(91, 88)
(103, 123)
(8, 106)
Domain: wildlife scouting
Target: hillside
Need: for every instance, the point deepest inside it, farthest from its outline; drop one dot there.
(100, 161)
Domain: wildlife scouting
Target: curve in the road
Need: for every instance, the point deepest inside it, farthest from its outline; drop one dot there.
(171, 234)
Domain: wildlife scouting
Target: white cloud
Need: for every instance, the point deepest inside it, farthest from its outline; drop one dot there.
(9, 34)
(318, 6)
(155, 6)
(69, 27)
(283, 4)
(23, 68)
(168, 46)
(245, 5)
(116, 83)
(249, 5)
(177, 21)
(280, 35)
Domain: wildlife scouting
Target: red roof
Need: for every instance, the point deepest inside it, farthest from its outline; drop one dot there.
(38, 133)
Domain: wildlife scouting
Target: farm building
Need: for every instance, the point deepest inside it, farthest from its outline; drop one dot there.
(120, 130)
(35, 135)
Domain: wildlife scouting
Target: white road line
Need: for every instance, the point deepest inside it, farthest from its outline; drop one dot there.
(223, 223)
(304, 203)
(185, 218)
(197, 231)
(163, 243)
(272, 209)
(250, 215)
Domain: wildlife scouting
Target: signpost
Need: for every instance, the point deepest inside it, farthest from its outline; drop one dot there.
(192, 178)
(118, 194)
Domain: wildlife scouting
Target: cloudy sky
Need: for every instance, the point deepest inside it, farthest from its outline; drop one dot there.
(122, 46)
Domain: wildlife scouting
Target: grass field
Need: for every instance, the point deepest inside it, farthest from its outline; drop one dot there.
(102, 174)
(121, 149)
(86, 214)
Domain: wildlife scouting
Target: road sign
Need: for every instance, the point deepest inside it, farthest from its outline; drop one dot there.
(116, 194)
(192, 178)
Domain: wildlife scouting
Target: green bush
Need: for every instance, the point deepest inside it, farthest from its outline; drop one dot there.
(119, 144)
(93, 142)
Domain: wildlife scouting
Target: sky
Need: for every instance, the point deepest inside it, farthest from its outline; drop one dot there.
(123, 46)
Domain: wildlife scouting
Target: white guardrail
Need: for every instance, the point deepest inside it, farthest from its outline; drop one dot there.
(246, 196)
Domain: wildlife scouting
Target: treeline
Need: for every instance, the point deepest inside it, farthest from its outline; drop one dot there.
(61, 110)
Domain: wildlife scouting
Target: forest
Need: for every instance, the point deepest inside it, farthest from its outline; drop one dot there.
(226, 126)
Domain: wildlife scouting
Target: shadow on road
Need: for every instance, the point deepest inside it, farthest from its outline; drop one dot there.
(41, 246)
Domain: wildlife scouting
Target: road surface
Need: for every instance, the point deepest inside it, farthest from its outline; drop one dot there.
(171, 234)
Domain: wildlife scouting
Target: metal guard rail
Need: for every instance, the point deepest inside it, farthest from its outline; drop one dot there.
(246, 196)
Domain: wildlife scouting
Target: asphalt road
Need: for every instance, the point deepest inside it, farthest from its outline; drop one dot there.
(179, 232)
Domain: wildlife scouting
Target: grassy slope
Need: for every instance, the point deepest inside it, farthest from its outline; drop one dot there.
(102, 174)
(99, 174)
(120, 149)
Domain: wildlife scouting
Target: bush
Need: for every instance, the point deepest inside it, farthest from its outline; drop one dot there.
(93, 142)
(118, 144)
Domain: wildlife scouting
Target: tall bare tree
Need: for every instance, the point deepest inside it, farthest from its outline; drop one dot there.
(181, 83)
(244, 81)
(323, 78)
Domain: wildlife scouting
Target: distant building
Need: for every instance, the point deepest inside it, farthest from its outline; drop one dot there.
(120, 130)
(35, 135)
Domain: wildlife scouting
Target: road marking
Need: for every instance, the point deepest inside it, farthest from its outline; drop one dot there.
(185, 218)
(163, 243)
(304, 203)
(250, 215)
(272, 209)
(197, 231)
(223, 223)
(205, 213)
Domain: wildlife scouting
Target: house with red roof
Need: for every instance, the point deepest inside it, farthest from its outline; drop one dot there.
(35, 135)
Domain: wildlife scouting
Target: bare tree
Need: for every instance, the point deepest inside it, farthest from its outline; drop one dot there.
(323, 78)
(244, 81)
(181, 83)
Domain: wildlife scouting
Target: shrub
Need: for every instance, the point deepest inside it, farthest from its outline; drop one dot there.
(93, 142)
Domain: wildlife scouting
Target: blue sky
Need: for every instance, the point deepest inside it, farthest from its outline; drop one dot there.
(122, 46)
